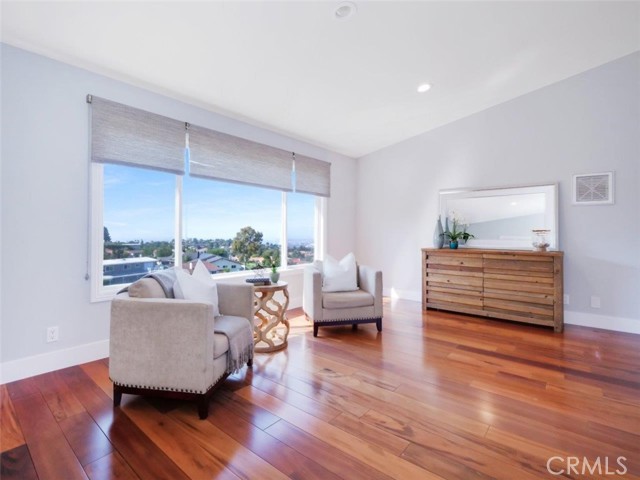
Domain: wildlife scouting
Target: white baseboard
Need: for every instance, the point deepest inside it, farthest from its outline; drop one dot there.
(618, 324)
(47, 362)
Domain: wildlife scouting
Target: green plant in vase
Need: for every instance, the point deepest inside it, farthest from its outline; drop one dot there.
(466, 235)
(275, 275)
(458, 233)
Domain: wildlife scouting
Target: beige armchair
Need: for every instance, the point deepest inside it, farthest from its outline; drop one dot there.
(342, 308)
(168, 347)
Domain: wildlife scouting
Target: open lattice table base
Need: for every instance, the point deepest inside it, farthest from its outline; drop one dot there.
(271, 327)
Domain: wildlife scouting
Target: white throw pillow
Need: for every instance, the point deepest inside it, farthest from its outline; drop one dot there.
(339, 276)
(197, 288)
(201, 273)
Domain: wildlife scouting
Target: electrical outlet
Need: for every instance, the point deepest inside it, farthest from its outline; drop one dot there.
(566, 299)
(52, 334)
(595, 302)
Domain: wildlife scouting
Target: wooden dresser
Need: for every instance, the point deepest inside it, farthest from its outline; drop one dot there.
(518, 285)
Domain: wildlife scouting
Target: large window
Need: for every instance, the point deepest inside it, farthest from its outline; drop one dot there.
(231, 227)
(166, 193)
(301, 223)
(137, 210)
(138, 219)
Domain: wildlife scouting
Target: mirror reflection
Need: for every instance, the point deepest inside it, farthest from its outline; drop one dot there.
(503, 217)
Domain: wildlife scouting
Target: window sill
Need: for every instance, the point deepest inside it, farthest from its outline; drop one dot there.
(107, 293)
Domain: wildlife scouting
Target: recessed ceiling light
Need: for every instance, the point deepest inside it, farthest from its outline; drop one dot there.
(345, 10)
(424, 88)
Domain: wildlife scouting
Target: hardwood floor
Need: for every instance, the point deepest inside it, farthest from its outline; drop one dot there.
(435, 395)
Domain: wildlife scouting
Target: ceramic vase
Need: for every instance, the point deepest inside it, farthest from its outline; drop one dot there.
(275, 276)
(438, 234)
(446, 230)
(453, 244)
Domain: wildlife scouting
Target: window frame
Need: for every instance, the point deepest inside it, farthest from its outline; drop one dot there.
(102, 293)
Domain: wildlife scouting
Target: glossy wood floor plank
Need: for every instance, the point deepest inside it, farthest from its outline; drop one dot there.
(85, 437)
(10, 433)
(126, 437)
(51, 453)
(429, 442)
(16, 464)
(242, 410)
(370, 433)
(23, 388)
(188, 454)
(380, 398)
(60, 399)
(435, 395)
(305, 379)
(340, 462)
(238, 459)
(306, 404)
(462, 398)
(286, 459)
(110, 467)
(363, 451)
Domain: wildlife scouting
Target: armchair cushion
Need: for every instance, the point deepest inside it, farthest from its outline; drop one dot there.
(220, 344)
(340, 276)
(358, 298)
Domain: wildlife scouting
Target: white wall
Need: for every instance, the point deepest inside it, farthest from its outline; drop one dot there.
(586, 124)
(45, 200)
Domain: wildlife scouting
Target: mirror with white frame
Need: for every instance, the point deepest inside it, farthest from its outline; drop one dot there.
(504, 218)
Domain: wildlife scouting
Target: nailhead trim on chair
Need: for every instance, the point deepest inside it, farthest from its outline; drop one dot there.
(373, 319)
(168, 389)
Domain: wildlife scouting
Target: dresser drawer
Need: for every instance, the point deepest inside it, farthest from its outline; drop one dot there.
(446, 294)
(517, 264)
(456, 279)
(519, 296)
(472, 261)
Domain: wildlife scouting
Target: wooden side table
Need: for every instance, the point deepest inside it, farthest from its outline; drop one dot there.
(271, 327)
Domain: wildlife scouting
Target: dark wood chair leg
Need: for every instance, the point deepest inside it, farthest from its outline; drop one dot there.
(117, 395)
(379, 324)
(203, 407)
(315, 330)
(250, 363)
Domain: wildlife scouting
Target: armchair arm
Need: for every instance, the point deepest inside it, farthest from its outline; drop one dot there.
(370, 281)
(236, 299)
(163, 343)
(312, 293)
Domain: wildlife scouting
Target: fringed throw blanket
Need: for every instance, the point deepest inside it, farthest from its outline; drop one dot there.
(240, 335)
(165, 278)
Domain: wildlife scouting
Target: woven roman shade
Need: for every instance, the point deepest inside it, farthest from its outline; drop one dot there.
(220, 156)
(128, 136)
(313, 176)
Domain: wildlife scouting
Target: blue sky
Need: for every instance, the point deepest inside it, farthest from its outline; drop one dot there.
(139, 204)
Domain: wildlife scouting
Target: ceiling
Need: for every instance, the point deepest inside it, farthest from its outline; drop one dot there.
(346, 85)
